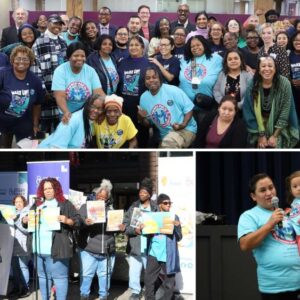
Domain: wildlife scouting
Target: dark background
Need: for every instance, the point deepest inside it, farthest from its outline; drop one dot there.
(222, 179)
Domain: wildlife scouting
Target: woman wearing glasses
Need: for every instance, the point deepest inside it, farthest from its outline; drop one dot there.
(78, 133)
(21, 98)
(121, 39)
(234, 26)
(163, 254)
(167, 63)
(269, 109)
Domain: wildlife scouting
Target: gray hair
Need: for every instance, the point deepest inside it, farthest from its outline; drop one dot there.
(19, 8)
(105, 185)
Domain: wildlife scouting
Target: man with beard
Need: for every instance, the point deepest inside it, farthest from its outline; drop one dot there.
(137, 242)
(134, 27)
(117, 130)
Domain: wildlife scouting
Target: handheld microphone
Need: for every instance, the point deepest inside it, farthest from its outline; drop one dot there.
(275, 202)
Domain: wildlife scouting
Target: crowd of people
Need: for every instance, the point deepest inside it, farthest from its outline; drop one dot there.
(166, 78)
(273, 236)
(93, 244)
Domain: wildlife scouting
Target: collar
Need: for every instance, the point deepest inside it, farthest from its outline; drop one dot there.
(185, 24)
(51, 35)
(104, 27)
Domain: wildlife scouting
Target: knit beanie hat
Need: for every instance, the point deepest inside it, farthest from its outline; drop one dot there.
(113, 100)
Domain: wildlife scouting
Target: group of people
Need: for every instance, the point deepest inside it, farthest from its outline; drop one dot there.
(168, 85)
(273, 235)
(53, 249)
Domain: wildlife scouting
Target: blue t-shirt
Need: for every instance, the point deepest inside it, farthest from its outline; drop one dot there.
(158, 247)
(277, 257)
(132, 84)
(78, 87)
(179, 52)
(172, 65)
(69, 135)
(120, 54)
(17, 115)
(207, 70)
(167, 107)
(44, 236)
(295, 215)
(111, 69)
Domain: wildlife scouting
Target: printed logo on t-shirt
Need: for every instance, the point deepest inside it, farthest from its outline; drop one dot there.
(19, 103)
(120, 132)
(109, 140)
(295, 212)
(286, 234)
(114, 77)
(131, 82)
(170, 102)
(77, 92)
(201, 72)
(161, 115)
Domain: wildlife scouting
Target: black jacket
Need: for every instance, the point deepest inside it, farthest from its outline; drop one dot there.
(134, 240)
(9, 36)
(62, 240)
(94, 238)
(94, 61)
(235, 137)
(189, 27)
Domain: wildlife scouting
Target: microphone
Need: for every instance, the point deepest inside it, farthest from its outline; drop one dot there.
(275, 202)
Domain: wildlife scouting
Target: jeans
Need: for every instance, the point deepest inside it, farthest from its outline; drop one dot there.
(91, 264)
(136, 264)
(49, 269)
(20, 272)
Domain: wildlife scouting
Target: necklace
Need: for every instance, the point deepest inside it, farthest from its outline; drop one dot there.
(108, 139)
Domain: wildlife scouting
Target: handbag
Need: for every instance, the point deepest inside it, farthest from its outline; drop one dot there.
(205, 102)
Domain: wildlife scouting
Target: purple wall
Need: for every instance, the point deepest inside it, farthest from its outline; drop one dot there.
(121, 18)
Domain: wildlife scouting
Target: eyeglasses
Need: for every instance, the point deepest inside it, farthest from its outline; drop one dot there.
(164, 45)
(233, 25)
(22, 59)
(95, 108)
(122, 34)
(167, 203)
(216, 29)
(104, 14)
(183, 11)
(179, 34)
(252, 38)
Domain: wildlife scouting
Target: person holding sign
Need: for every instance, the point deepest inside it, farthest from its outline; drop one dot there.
(137, 242)
(163, 255)
(97, 246)
(53, 248)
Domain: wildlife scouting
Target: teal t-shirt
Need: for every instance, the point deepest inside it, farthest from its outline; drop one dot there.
(114, 76)
(158, 247)
(143, 237)
(277, 257)
(78, 87)
(167, 107)
(44, 236)
(295, 215)
(207, 70)
(69, 135)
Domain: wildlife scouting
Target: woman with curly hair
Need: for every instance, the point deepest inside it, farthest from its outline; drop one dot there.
(54, 248)
(269, 109)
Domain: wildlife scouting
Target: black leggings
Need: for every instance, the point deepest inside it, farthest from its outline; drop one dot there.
(281, 296)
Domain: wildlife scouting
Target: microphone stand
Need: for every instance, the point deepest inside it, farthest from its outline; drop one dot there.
(36, 230)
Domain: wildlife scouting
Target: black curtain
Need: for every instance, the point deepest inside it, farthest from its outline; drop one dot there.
(222, 179)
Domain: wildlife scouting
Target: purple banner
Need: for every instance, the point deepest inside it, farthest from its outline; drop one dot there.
(121, 18)
(39, 170)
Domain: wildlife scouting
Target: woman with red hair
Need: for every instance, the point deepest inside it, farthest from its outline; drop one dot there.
(54, 248)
